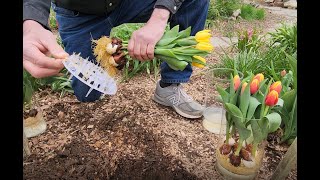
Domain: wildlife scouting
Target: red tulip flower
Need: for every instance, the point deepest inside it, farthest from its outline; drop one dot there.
(276, 86)
(283, 73)
(236, 82)
(259, 76)
(254, 86)
(272, 98)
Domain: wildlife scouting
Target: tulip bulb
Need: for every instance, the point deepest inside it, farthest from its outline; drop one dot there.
(111, 61)
(248, 164)
(231, 141)
(111, 48)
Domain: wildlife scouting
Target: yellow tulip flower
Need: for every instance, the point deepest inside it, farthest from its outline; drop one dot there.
(203, 36)
(200, 59)
(204, 46)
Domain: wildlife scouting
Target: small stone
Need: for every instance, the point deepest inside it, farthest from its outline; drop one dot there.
(269, 1)
(292, 4)
(90, 127)
(236, 13)
(33, 113)
(279, 4)
(61, 115)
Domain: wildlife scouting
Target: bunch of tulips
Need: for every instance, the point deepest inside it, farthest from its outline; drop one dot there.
(177, 49)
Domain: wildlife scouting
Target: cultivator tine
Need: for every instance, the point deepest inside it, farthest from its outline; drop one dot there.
(89, 92)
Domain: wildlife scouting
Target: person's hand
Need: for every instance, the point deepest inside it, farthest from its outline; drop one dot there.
(142, 42)
(38, 45)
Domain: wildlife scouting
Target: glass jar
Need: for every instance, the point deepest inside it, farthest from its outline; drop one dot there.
(214, 114)
(241, 163)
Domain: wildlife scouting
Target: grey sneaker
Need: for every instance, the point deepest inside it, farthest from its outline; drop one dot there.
(175, 97)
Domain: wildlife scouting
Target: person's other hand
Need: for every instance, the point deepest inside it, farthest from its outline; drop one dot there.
(38, 45)
(142, 43)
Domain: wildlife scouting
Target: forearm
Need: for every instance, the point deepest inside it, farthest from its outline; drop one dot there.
(159, 17)
(37, 10)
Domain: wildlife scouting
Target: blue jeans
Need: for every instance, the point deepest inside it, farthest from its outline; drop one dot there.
(76, 28)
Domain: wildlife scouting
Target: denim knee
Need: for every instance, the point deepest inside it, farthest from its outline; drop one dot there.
(81, 90)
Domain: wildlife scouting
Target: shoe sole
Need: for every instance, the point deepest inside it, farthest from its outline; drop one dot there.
(157, 99)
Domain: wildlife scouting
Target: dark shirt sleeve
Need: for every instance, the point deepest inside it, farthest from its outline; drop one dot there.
(37, 10)
(171, 5)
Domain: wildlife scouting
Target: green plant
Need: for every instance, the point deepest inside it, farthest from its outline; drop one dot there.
(57, 84)
(249, 40)
(275, 60)
(289, 110)
(213, 12)
(245, 61)
(29, 86)
(285, 38)
(249, 12)
(222, 8)
(60, 83)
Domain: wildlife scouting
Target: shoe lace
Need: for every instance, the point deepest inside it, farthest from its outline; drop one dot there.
(180, 90)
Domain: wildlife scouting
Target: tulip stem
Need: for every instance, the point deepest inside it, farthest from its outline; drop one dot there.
(266, 111)
(254, 149)
(239, 147)
(227, 133)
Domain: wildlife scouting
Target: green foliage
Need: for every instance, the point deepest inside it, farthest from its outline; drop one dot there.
(289, 110)
(29, 86)
(222, 8)
(57, 83)
(125, 31)
(285, 38)
(52, 20)
(258, 55)
(245, 62)
(249, 40)
(249, 12)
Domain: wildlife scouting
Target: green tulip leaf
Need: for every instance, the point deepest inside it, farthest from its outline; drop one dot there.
(165, 41)
(274, 121)
(224, 94)
(238, 120)
(234, 110)
(173, 32)
(169, 46)
(184, 33)
(253, 104)
(174, 63)
(259, 129)
(289, 98)
(244, 100)
(189, 41)
(231, 92)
